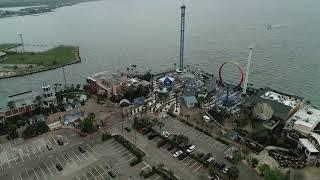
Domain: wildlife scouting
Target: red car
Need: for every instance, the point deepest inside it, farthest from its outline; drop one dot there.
(142, 130)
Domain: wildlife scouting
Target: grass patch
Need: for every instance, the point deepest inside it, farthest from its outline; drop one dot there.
(54, 57)
(7, 46)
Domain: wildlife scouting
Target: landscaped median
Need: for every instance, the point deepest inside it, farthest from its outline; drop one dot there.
(160, 170)
(127, 144)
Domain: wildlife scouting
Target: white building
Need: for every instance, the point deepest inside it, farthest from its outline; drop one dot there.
(304, 121)
(48, 96)
(311, 152)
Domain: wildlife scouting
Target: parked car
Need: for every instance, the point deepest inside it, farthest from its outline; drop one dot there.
(165, 134)
(176, 154)
(221, 166)
(60, 142)
(59, 167)
(152, 136)
(225, 170)
(81, 149)
(127, 129)
(200, 155)
(112, 173)
(142, 130)
(182, 156)
(211, 159)
(207, 156)
(191, 149)
(214, 177)
(147, 131)
(49, 147)
(170, 148)
(230, 158)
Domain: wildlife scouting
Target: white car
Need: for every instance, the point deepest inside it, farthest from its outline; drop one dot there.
(210, 159)
(178, 153)
(165, 134)
(225, 170)
(191, 149)
(164, 116)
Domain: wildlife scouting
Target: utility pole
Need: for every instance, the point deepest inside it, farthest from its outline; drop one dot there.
(22, 48)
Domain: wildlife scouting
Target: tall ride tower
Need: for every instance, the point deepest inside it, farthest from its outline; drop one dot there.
(183, 12)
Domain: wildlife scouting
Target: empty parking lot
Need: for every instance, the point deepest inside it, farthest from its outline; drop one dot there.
(31, 159)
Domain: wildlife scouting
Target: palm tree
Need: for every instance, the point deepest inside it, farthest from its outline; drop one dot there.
(158, 123)
(188, 116)
(55, 87)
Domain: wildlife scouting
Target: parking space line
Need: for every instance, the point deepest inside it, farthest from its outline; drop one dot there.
(27, 173)
(92, 175)
(125, 153)
(125, 157)
(197, 169)
(20, 176)
(35, 173)
(8, 160)
(120, 147)
(71, 157)
(28, 153)
(130, 159)
(116, 147)
(43, 173)
(224, 149)
(91, 156)
(157, 177)
(76, 156)
(48, 168)
(193, 164)
(54, 166)
(122, 150)
(84, 156)
(21, 156)
(188, 162)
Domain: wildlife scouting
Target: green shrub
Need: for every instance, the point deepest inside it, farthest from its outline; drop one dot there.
(106, 136)
(135, 161)
(131, 147)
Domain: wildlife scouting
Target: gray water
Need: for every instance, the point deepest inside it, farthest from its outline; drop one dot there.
(113, 34)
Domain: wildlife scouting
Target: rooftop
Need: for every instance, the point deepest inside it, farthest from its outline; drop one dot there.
(20, 99)
(308, 116)
(307, 144)
(279, 105)
(280, 98)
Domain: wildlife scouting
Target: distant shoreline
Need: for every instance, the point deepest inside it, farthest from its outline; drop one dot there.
(35, 8)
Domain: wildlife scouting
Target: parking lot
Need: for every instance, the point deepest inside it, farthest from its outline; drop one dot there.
(203, 142)
(31, 159)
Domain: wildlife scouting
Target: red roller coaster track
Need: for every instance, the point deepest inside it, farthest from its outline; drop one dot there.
(221, 82)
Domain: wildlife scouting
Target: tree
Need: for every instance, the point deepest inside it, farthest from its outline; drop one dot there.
(270, 173)
(188, 116)
(78, 86)
(87, 126)
(156, 122)
(91, 116)
(233, 172)
(237, 156)
(11, 104)
(12, 134)
(263, 111)
(201, 100)
(254, 162)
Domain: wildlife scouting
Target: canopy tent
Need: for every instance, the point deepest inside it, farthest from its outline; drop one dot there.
(166, 81)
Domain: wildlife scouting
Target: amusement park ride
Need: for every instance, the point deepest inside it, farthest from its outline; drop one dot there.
(238, 87)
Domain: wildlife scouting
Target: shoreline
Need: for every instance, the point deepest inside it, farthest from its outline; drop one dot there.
(78, 60)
